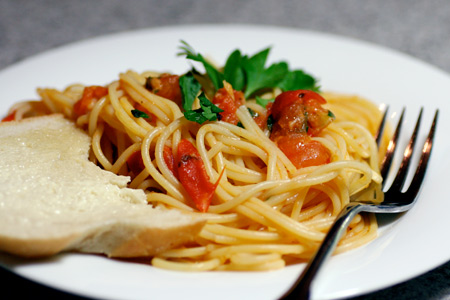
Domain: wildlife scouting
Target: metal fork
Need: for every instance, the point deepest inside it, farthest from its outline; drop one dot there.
(395, 200)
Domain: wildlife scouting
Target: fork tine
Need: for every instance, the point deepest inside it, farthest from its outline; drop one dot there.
(400, 178)
(379, 134)
(387, 161)
(419, 175)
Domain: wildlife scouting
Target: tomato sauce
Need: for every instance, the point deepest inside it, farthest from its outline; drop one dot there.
(298, 116)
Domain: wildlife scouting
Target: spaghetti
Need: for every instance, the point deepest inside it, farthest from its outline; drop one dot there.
(264, 211)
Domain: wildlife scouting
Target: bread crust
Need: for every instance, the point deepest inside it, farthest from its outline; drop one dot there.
(78, 206)
(31, 248)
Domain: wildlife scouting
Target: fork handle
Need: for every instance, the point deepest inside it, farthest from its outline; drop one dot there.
(302, 287)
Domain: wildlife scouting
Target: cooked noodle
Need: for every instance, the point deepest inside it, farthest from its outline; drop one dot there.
(265, 212)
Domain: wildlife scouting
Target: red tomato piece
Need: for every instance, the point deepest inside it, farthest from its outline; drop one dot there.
(285, 99)
(10, 117)
(302, 151)
(90, 95)
(300, 111)
(291, 120)
(167, 86)
(261, 120)
(297, 116)
(192, 175)
(169, 159)
(225, 101)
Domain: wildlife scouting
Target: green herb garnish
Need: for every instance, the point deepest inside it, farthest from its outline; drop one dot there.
(270, 122)
(190, 88)
(252, 112)
(215, 76)
(331, 115)
(139, 114)
(249, 74)
(258, 77)
(297, 80)
(233, 71)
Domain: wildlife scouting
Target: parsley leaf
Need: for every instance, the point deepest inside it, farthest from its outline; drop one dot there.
(215, 76)
(190, 88)
(207, 111)
(139, 114)
(195, 116)
(298, 80)
(234, 72)
(210, 110)
(258, 77)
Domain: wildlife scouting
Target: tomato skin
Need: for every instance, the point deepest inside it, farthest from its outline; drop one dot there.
(225, 101)
(302, 151)
(297, 116)
(291, 120)
(169, 159)
(10, 117)
(300, 111)
(90, 95)
(167, 86)
(261, 121)
(286, 99)
(192, 175)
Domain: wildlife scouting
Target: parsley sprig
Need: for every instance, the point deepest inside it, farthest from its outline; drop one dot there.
(250, 74)
(215, 76)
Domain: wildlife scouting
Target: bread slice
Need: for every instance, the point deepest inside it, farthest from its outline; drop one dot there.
(53, 199)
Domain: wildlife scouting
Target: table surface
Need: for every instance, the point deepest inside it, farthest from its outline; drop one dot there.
(418, 28)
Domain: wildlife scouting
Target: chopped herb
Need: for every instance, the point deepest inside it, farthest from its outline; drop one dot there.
(330, 114)
(190, 88)
(210, 110)
(270, 122)
(139, 114)
(305, 123)
(207, 111)
(252, 112)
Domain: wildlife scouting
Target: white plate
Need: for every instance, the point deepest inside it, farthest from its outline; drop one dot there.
(415, 243)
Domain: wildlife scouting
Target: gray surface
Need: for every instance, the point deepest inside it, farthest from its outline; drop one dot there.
(419, 28)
